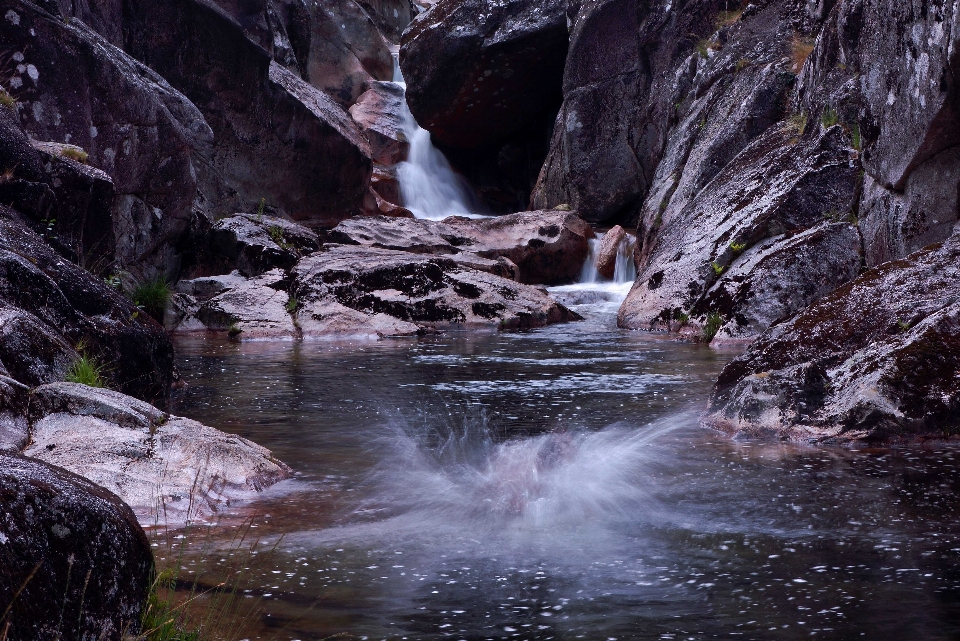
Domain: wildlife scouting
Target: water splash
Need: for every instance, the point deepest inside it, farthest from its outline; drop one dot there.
(429, 186)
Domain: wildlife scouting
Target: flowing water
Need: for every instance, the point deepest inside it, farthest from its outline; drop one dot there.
(555, 484)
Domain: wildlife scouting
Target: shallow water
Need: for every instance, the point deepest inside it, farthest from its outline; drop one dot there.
(555, 484)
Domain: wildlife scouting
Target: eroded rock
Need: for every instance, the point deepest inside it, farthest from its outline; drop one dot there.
(380, 112)
(607, 252)
(254, 244)
(168, 469)
(73, 547)
(876, 360)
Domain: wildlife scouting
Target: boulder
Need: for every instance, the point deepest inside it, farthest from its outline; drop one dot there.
(254, 244)
(279, 140)
(781, 184)
(50, 306)
(877, 360)
(606, 263)
(76, 564)
(478, 72)
(427, 291)
(168, 469)
(381, 113)
(14, 430)
(390, 16)
(544, 247)
(72, 86)
(247, 308)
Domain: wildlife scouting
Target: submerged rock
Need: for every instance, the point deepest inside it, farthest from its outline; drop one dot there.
(76, 564)
(168, 469)
(876, 360)
(424, 291)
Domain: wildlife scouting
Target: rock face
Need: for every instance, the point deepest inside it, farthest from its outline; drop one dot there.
(49, 307)
(256, 244)
(72, 86)
(420, 290)
(878, 359)
(546, 247)
(75, 548)
(484, 78)
(168, 469)
(380, 112)
(698, 252)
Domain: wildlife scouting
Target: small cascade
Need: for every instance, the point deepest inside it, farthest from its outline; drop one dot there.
(625, 270)
(429, 186)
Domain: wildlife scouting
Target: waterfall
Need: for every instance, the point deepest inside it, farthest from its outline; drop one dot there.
(625, 271)
(429, 186)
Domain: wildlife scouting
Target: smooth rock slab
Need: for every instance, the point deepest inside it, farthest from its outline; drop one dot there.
(423, 290)
(88, 557)
(255, 307)
(168, 469)
(877, 360)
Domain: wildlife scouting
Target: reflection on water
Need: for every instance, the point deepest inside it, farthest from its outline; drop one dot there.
(556, 485)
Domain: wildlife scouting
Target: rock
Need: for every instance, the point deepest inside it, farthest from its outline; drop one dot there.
(255, 244)
(168, 469)
(347, 52)
(278, 139)
(779, 185)
(545, 247)
(14, 430)
(390, 16)
(902, 107)
(635, 79)
(50, 306)
(876, 360)
(427, 291)
(247, 308)
(478, 72)
(128, 120)
(607, 252)
(780, 277)
(380, 112)
(73, 548)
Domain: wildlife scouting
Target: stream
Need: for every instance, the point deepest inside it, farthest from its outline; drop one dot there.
(556, 484)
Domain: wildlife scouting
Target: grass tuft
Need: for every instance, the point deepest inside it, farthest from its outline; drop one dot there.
(152, 297)
(7, 101)
(86, 370)
(829, 117)
(712, 326)
(75, 153)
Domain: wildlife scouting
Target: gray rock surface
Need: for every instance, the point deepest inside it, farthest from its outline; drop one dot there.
(546, 247)
(779, 185)
(380, 112)
(166, 468)
(877, 360)
(423, 290)
(606, 262)
(73, 547)
(254, 244)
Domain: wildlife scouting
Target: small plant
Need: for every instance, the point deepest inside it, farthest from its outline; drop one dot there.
(260, 208)
(74, 153)
(717, 268)
(276, 234)
(801, 50)
(7, 101)
(49, 225)
(681, 317)
(234, 331)
(904, 325)
(113, 280)
(152, 297)
(704, 46)
(712, 326)
(798, 122)
(293, 305)
(742, 64)
(829, 117)
(855, 137)
(86, 370)
(737, 248)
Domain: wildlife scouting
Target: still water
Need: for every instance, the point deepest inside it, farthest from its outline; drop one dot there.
(555, 484)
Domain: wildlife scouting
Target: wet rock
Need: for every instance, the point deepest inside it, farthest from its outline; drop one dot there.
(390, 16)
(14, 430)
(129, 122)
(546, 247)
(876, 360)
(422, 290)
(74, 548)
(380, 114)
(608, 250)
(478, 72)
(779, 185)
(247, 308)
(347, 53)
(50, 306)
(255, 244)
(638, 76)
(165, 467)
(278, 139)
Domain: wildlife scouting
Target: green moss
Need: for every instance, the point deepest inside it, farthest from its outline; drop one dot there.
(717, 268)
(829, 117)
(75, 153)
